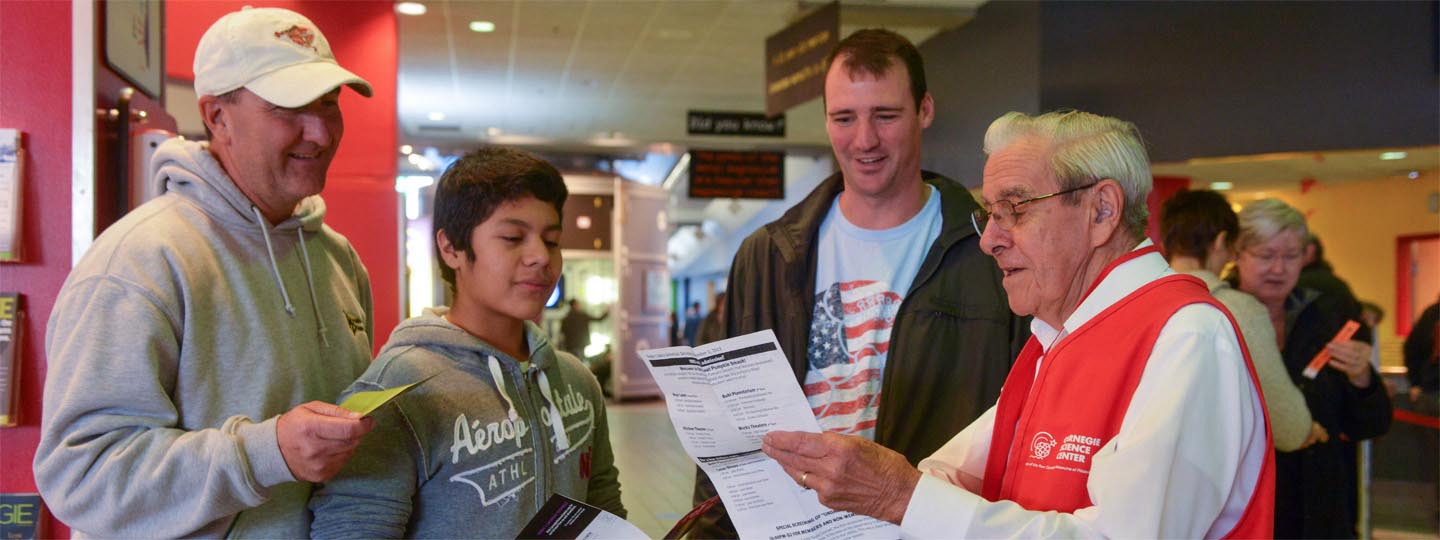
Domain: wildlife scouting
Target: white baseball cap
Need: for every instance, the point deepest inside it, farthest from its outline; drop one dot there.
(276, 53)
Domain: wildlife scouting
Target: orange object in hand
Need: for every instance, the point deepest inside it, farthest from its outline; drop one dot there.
(1324, 356)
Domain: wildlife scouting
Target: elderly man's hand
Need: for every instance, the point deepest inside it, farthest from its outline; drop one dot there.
(1353, 359)
(848, 473)
(316, 439)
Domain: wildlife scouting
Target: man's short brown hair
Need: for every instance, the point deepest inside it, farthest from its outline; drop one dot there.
(871, 50)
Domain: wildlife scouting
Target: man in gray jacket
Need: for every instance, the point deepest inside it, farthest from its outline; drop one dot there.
(892, 317)
(195, 348)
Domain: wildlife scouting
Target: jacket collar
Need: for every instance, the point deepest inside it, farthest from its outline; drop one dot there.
(797, 229)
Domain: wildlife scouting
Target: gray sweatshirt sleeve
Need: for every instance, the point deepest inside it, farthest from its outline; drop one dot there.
(604, 488)
(1289, 416)
(111, 459)
(372, 496)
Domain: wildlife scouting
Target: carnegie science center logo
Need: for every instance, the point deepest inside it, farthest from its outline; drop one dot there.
(1041, 445)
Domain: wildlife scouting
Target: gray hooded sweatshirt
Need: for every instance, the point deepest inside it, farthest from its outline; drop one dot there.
(475, 450)
(177, 340)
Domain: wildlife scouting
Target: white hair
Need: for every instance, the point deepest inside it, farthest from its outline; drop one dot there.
(1085, 148)
(1262, 220)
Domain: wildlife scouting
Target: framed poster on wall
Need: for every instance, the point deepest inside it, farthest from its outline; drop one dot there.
(12, 178)
(135, 43)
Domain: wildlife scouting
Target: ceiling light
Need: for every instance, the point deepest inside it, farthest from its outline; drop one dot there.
(1391, 156)
(482, 26)
(410, 8)
(1413, 175)
(407, 149)
(1221, 186)
(436, 116)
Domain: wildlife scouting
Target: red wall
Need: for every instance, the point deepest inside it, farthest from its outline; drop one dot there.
(29, 102)
(360, 194)
(1161, 190)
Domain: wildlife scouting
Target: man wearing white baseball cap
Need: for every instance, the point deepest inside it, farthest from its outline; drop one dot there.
(194, 349)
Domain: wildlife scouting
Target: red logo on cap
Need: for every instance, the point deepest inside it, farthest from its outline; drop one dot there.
(300, 36)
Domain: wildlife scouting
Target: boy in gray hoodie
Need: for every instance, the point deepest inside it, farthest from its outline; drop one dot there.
(503, 420)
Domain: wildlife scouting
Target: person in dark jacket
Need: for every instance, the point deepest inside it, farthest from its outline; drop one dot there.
(1315, 488)
(1318, 274)
(713, 327)
(893, 319)
(1422, 354)
(576, 328)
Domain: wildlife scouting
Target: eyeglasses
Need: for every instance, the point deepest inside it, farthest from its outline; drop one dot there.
(1268, 258)
(1004, 214)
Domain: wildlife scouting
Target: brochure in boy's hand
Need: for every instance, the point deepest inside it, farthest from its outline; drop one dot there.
(566, 519)
(366, 402)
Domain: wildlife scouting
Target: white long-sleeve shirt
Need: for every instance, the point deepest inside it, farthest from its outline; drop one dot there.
(1183, 464)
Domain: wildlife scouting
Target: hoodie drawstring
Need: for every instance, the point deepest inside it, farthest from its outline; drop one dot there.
(562, 439)
(260, 221)
(310, 282)
(274, 267)
(499, 377)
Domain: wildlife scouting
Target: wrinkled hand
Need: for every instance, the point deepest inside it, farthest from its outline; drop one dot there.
(1317, 435)
(316, 439)
(1353, 359)
(848, 473)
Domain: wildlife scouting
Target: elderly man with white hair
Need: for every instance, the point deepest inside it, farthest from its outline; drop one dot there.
(1132, 412)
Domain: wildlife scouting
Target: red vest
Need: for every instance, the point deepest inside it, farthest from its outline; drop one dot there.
(1048, 426)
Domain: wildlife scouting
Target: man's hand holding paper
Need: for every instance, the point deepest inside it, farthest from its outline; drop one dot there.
(848, 473)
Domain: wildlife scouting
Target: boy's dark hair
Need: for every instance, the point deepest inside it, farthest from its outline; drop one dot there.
(871, 51)
(478, 183)
(1190, 221)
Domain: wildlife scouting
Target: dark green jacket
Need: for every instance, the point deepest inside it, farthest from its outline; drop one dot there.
(954, 337)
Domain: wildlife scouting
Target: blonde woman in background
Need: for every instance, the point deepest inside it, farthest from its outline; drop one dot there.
(1197, 229)
(1315, 487)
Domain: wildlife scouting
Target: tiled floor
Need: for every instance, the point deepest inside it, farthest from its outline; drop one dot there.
(656, 476)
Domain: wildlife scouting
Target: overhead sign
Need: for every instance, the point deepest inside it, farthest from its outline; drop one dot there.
(795, 59)
(737, 175)
(734, 123)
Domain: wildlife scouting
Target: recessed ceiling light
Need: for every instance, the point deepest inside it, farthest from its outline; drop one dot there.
(410, 8)
(1413, 175)
(482, 26)
(1391, 156)
(407, 149)
(1221, 186)
(436, 116)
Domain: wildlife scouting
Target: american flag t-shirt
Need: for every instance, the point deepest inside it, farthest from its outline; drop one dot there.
(861, 277)
(849, 336)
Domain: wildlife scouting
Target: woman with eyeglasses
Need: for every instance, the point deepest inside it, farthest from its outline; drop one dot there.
(1198, 231)
(1315, 487)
